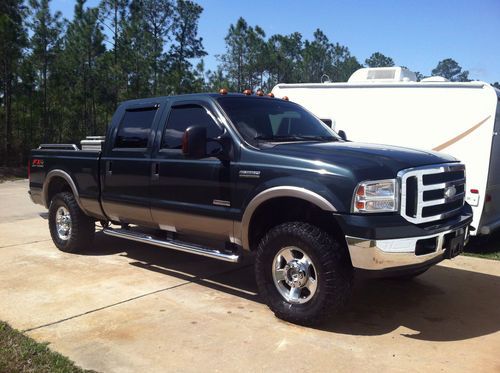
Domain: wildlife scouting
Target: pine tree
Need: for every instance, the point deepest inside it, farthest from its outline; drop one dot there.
(12, 41)
(46, 45)
(158, 21)
(245, 50)
(84, 47)
(113, 16)
(187, 46)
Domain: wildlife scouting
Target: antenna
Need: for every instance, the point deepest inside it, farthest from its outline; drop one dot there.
(327, 78)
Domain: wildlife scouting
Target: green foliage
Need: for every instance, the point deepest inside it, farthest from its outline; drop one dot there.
(253, 62)
(245, 57)
(284, 58)
(188, 45)
(65, 82)
(61, 80)
(377, 59)
(12, 41)
(451, 70)
(19, 353)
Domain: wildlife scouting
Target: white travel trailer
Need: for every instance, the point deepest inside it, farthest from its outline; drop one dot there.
(388, 106)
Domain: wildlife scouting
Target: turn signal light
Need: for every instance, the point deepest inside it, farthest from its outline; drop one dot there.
(360, 205)
(247, 92)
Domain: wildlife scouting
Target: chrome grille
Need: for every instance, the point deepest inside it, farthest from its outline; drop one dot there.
(433, 192)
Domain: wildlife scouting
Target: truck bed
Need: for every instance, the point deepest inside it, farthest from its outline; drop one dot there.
(83, 169)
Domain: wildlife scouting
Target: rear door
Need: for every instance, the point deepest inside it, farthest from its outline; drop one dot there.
(127, 164)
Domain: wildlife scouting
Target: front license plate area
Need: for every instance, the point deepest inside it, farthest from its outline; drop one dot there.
(454, 243)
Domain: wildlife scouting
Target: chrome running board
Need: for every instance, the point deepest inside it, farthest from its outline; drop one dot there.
(179, 246)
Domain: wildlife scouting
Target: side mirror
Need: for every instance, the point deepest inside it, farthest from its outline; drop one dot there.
(194, 142)
(342, 135)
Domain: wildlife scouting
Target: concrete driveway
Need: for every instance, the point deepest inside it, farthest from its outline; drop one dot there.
(124, 307)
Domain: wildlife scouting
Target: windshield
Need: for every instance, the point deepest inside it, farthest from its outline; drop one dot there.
(274, 120)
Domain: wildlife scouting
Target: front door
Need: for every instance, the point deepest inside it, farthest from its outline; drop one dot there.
(191, 196)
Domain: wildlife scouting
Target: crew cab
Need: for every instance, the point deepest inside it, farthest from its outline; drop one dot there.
(221, 175)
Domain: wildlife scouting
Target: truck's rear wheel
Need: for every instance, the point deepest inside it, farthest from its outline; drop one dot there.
(70, 228)
(302, 273)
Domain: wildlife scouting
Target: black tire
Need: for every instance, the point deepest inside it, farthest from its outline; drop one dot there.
(333, 268)
(82, 227)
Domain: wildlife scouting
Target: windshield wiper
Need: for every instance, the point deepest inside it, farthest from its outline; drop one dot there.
(295, 138)
(319, 138)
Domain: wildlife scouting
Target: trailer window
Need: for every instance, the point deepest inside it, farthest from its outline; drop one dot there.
(135, 128)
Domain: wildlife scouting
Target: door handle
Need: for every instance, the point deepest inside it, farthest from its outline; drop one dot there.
(155, 171)
(109, 168)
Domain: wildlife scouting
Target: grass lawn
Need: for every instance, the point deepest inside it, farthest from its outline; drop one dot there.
(19, 354)
(484, 248)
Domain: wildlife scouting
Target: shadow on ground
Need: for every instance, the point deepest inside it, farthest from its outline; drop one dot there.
(444, 304)
(485, 245)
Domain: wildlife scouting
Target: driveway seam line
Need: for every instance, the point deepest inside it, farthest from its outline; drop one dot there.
(24, 243)
(195, 280)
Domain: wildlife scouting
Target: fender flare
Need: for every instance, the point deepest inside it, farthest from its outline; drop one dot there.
(64, 175)
(275, 192)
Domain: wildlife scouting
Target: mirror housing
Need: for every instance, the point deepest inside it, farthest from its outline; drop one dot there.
(194, 142)
(342, 135)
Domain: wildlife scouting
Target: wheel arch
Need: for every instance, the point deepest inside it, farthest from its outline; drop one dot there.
(58, 181)
(293, 197)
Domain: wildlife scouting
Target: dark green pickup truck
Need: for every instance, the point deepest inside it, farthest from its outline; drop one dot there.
(223, 174)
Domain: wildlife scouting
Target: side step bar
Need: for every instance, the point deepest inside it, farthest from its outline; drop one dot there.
(180, 246)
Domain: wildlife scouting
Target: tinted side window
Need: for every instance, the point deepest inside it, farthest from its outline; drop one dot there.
(182, 117)
(135, 128)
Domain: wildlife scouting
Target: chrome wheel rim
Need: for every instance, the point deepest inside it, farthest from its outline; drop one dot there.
(63, 223)
(294, 275)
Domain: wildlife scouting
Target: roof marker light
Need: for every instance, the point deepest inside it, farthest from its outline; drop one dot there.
(260, 93)
(285, 98)
(223, 91)
(247, 92)
(270, 94)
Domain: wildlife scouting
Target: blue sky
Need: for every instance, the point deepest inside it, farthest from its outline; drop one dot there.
(416, 34)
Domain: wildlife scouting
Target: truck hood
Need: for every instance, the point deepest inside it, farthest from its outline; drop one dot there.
(359, 157)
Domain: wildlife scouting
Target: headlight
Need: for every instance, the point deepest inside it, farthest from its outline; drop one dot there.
(376, 196)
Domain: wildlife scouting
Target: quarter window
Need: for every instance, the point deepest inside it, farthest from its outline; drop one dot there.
(135, 128)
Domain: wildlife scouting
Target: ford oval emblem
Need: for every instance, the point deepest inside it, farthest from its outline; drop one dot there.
(450, 192)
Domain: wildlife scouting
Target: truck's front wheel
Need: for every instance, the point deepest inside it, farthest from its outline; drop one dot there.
(70, 228)
(302, 273)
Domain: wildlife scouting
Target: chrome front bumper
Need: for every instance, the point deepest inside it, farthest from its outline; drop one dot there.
(393, 253)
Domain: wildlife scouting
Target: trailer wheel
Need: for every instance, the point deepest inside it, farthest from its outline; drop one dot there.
(302, 273)
(71, 230)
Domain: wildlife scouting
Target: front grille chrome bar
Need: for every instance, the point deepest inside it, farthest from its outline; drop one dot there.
(416, 197)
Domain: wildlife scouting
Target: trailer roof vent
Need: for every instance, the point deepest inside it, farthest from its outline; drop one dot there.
(383, 74)
(435, 79)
